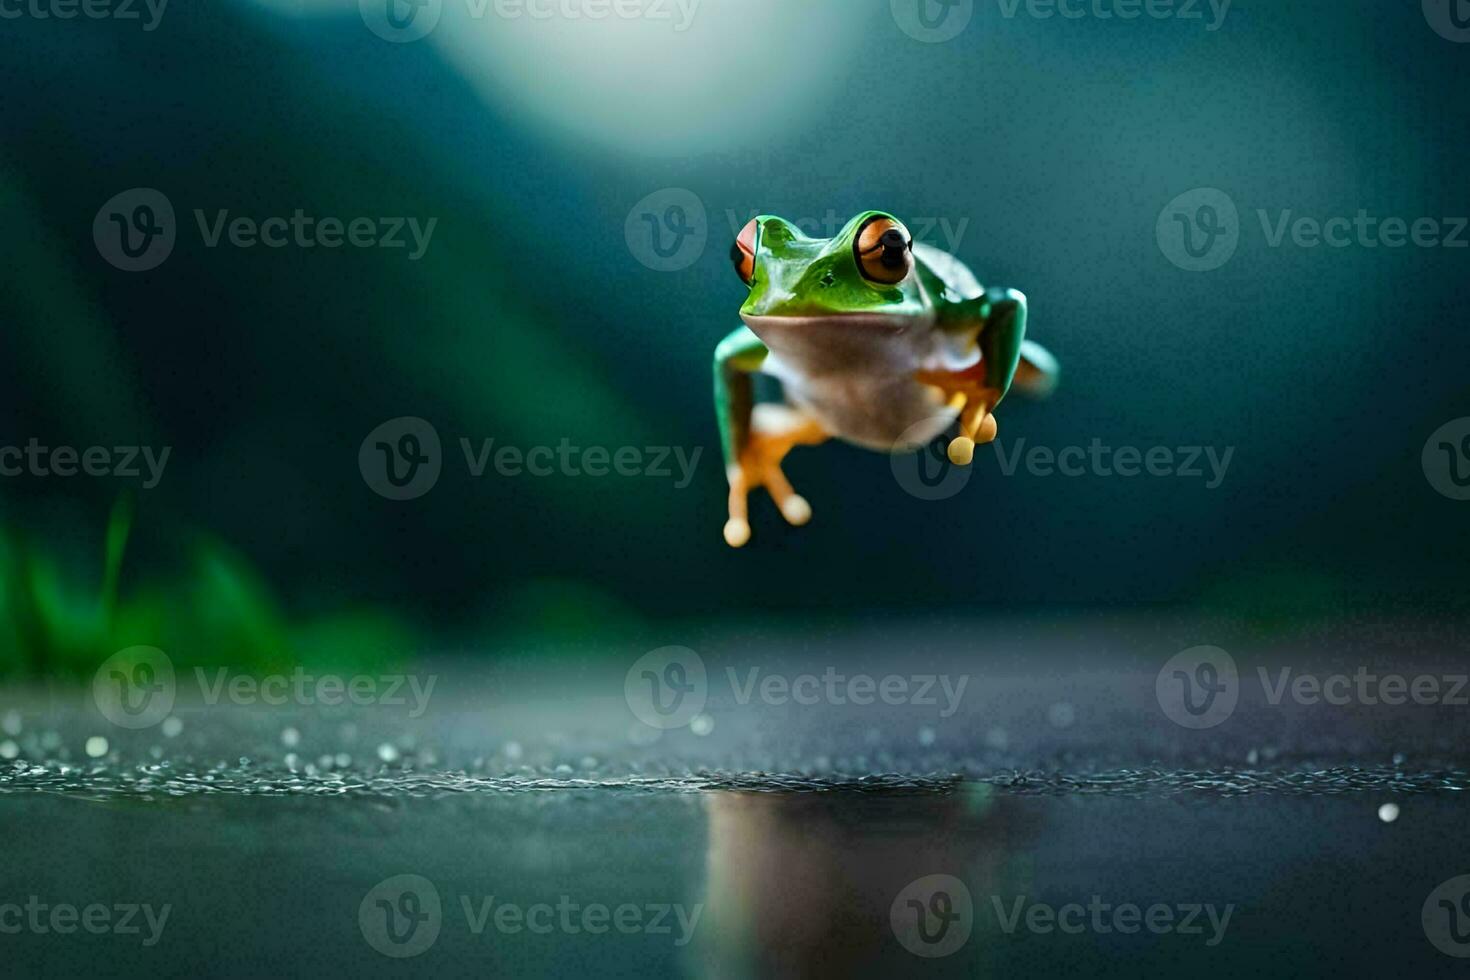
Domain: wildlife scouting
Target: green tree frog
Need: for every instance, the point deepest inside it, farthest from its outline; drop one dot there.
(876, 339)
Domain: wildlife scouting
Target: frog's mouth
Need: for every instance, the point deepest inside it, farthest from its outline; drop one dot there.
(880, 323)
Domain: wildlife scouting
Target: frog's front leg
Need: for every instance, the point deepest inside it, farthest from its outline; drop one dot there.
(976, 391)
(756, 438)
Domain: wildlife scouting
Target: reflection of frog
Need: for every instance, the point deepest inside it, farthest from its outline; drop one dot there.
(875, 339)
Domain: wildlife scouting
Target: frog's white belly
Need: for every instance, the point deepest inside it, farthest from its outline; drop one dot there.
(855, 375)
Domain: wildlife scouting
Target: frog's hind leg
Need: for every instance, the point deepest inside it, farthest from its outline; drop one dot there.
(775, 431)
(756, 438)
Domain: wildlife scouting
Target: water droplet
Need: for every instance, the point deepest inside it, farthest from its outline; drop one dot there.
(927, 736)
(172, 727)
(11, 723)
(343, 760)
(701, 724)
(290, 738)
(1389, 812)
(8, 749)
(96, 746)
(1252, 757)
(387, 752)
(513, 750)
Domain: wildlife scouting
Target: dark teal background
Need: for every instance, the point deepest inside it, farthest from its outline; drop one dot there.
(529, 319)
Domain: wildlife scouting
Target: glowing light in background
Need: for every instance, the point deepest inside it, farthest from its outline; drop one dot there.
(683, 76)
(739, 67)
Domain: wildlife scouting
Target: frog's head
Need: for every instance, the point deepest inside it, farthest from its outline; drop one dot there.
(865, 273)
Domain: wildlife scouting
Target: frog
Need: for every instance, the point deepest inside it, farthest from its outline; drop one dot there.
(874, 339)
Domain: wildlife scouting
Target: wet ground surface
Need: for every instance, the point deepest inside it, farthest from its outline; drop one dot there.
(1048, 815)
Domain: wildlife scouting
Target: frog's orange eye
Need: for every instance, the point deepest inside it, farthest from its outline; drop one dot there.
(742, 253)
(884, 250)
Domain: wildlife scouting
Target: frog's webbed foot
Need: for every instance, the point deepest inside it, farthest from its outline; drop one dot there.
(774, 431)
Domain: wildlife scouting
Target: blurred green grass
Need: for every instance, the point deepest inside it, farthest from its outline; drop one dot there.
(61, 622)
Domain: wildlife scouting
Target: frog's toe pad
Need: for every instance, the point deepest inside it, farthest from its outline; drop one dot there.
(796, 510)
(961, 450)
(737, 532)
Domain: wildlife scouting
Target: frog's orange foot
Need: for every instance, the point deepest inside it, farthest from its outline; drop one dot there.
(977, 426)
(775, 430)
(973, 401)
